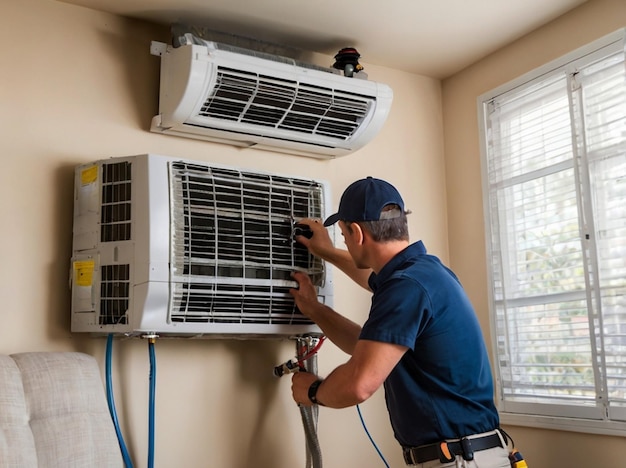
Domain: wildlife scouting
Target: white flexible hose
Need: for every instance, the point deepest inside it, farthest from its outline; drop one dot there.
(310, 413)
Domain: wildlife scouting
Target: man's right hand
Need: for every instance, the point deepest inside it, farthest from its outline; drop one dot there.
(320, 245)
(319, 242)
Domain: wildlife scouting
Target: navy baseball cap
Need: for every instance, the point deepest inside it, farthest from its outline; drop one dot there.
(364, 200)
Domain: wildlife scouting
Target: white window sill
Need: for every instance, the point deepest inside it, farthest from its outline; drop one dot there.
(588, 426)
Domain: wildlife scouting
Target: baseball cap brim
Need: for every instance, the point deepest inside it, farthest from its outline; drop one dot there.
(332, 219)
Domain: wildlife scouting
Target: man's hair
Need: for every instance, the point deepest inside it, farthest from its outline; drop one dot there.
(392, 225)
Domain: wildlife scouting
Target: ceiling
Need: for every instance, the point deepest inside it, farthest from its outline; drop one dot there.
(436, 38)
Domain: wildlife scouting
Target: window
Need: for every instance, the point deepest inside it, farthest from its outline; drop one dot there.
(554, 168)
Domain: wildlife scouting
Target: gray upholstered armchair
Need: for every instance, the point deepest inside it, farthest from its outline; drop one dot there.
(53, 413)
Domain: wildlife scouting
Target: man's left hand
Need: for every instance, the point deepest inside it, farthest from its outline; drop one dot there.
(300, 383)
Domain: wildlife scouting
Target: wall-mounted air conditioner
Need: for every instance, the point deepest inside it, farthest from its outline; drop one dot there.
(185, 248)
(245, 98)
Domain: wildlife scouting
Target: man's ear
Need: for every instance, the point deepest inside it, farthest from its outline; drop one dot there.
(358, 233)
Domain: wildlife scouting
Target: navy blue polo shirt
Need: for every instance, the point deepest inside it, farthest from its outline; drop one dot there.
(442, 387)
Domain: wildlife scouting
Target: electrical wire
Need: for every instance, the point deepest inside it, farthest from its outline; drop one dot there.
(358, 408)
(303, 354)
(151, 402)
(111, 402)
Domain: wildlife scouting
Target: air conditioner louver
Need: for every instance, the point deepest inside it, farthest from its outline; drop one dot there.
(267, 102)
(210, 250)
(247, 100)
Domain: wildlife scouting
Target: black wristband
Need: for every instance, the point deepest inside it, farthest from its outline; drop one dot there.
(313, 392)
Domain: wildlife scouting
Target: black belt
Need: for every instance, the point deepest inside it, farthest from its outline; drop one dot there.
(446, 451)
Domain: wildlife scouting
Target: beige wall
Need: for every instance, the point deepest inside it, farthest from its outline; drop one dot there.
(596, 18)
(79, 85)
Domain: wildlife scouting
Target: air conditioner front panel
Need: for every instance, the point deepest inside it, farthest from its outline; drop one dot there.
(208, 250)
(255, 102)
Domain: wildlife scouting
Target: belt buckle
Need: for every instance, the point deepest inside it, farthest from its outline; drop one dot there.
(445, 456)
(409, 456)
(466, 448)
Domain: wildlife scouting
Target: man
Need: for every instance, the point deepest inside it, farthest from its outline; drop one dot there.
(421, 340)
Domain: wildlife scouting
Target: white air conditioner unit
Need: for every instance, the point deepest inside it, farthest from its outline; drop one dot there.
(251, 99)
(184, 248)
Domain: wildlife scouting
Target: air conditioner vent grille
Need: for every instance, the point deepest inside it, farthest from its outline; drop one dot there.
(114, 294)
(232, 246)
(115, 217)
(242, 304)
(265, 101)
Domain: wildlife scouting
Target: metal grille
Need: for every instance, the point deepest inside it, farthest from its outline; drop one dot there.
(232, 247)
(114, 294)
(116, 200)
(266, 101)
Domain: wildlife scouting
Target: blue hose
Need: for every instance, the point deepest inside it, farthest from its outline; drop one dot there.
(151, 403)
(111, 402)
(380, 454)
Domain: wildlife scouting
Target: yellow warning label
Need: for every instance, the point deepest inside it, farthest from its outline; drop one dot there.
(83, 272)
(89, 175)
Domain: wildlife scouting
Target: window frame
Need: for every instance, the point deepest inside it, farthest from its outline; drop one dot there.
(579, 419)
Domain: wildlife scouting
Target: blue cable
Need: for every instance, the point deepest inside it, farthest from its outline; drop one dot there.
(111, 402)
(370, 437)
(151, 403)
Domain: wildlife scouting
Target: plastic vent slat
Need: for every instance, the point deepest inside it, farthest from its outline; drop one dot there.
(265, 102)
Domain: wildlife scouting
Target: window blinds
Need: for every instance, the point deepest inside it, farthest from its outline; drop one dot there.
(556, 201)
